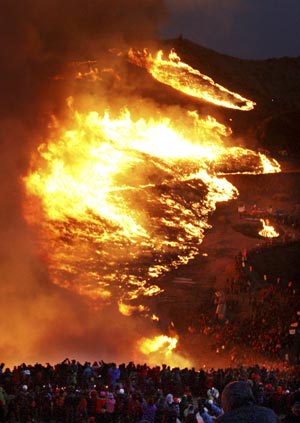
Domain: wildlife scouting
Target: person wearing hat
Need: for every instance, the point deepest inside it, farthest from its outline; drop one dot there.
(239, 406)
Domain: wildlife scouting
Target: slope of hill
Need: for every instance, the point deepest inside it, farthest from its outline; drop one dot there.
(274, 85)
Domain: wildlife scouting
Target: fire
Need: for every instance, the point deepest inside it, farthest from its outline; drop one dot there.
(182, 77)
(148, 345)
(161, 349)
(128, 310)
(97, 191)
(120, 197)
(155, 318)
(269, 165)
(268, 231)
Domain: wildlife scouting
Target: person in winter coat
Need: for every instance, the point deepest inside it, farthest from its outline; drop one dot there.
(110, 407)
(203, 411)
(171, 411)
(149, 411)
(239, 406)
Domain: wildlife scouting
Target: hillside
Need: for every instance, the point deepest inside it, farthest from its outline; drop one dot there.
(274, 85)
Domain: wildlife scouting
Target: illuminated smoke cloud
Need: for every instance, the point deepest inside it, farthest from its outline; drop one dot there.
(40, 44)
(37, 39)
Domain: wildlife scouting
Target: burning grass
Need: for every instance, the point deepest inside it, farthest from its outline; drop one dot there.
(124, 196)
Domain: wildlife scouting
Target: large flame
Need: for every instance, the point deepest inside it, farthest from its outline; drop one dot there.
(183, 77)
(161, 349)
(150, 345)
(120, 198)
(102, 185)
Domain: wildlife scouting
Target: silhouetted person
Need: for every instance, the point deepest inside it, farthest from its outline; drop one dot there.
(239, 406)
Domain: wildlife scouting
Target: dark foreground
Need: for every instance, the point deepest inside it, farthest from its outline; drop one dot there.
(105, 392)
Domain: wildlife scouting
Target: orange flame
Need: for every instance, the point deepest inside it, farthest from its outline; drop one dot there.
(104, 192)
(268, 231)
(128, 310)
(161, 349)
(148, 345)
(184, 78)
(87, 178)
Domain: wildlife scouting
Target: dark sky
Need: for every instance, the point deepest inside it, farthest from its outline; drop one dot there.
(250, 29)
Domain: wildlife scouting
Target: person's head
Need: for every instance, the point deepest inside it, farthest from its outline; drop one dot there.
(169, 399)
(236, 394)
(93, 393)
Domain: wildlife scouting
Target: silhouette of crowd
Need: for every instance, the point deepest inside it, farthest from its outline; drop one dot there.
(71, 392)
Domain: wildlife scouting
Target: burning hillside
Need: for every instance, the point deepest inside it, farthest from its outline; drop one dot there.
(115, 188)
(123, 197)
(130, 195)
(184, 78)
(272, 84)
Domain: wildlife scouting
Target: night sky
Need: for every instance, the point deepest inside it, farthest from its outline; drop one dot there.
(249, 29)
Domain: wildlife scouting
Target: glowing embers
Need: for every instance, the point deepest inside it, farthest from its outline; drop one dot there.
(184, 78)
(268, 231)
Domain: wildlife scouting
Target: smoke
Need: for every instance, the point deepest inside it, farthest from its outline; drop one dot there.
(38, 38)
(40, 321)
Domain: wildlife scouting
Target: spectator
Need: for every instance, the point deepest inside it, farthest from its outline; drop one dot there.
(171, 411)
(149, 411)
(239, 406)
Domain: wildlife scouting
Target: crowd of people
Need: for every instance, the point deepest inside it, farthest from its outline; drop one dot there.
(255, 314)
(71, 392)
(261, 318)
(270, 312)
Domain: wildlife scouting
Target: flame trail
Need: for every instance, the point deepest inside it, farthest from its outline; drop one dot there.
(184, 78)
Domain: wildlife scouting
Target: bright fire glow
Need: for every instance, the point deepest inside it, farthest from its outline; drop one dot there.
(182, 77)
(101, 185)
(128, 310)
(269, 165)
(161, 349)
(120, 198)
(148, 345)
(268, 231)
